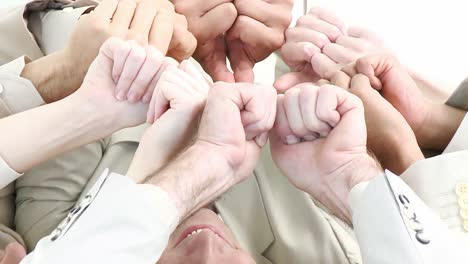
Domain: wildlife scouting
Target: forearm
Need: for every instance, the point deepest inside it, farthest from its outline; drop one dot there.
(441, 126)
(430, 90)
(52, 77)
(196, 178)
(40, 134)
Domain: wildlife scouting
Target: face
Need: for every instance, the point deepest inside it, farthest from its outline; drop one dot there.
(202, 239)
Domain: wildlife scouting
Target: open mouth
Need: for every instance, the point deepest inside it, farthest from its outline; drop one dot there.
(195, 230)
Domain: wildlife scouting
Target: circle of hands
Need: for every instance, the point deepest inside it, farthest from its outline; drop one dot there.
(321, 119)
(347, 95)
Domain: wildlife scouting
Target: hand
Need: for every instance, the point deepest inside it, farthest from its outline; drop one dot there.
(208, 21)
(390, 137)
(257, 32)
(152, 22)
(13, 254)
(323, 128)
(321, 43)
(174, 112)
(236, 122)
(121, 66)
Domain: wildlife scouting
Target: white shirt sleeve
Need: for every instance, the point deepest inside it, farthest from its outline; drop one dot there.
(119, 221)
(7, 174)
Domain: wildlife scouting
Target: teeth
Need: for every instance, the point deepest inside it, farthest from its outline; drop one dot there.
(198, 231)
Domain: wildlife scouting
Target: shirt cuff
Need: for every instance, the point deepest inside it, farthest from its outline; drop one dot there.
(7, 174)
(17, 94)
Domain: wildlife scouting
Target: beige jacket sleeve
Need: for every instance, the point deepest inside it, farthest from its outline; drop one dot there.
(117, 222)
(393, 225)
(16, 93)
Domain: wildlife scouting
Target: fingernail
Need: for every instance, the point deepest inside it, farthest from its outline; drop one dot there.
(132, 97)
(262, 139)
(147, 98)
(120, 96)
(291, 140)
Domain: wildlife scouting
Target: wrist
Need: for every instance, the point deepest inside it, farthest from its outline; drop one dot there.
(97, 121)
(440, 126)
(402, 152)
(363, 169)
(196, 178)
(53, 76)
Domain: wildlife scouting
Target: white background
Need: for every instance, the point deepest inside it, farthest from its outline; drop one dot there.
(429, 36)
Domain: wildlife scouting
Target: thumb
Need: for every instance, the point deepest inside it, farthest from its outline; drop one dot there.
(212, 57)
(292, 79)
(14, 253)
(241, 63)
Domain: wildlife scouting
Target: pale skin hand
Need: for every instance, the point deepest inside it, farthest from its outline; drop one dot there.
(236, 122)
(208, 21)
(178, 100)
(233, 129)
(257, 32)
(390, 137)
(324, 129)
(428, 120)
(91, 113)
(245, 32)
(146, 21)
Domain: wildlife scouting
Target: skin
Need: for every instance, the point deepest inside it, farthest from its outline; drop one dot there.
(141, 21)
(220, 246)
(325, 128)
(390, 137)
(245, 32)
(426, 118)
(321, 43)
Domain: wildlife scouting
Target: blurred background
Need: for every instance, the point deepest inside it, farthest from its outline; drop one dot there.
(429, 36)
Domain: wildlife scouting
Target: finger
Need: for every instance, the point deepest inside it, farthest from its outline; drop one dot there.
(309, 22)
(339, 54)
(212, 57)
(183, 43)
(105, 10)
(341, 79)
(322, 64)
(362, 33)
(150, 67)
(281, 128)
(142, 21)
(292, 79)
(202, 6)
(329, 17)
(167, 62)
(242, 65)
(293, 112)
(200, 82)
(218, 20)
(124, 14)
(350, 69)
(267, 13)
(351, 111)
(131, 68)
(298, 53)
(322, 82)
(162, 30)
(260, 103)
(117, 50)
(327, 103)
(358, 45)
(306, 35)
(308, 102)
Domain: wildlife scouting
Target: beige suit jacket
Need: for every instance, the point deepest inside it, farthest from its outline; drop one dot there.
(45, 194)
